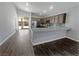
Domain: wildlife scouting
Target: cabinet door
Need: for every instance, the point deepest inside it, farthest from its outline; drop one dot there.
(52, 19)
(48, 18)
(56, 19)
(60, 20)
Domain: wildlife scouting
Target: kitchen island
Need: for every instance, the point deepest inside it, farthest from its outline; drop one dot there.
(42, 35)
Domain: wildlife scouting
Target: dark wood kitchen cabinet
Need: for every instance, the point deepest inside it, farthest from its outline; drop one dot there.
(59, 19)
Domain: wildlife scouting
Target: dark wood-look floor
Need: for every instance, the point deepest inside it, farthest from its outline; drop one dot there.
(18, 45)
(62, 47)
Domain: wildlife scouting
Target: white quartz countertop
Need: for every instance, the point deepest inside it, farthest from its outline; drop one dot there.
(51, 28)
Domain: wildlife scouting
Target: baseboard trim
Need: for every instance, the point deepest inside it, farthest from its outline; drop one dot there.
(54, 40)
(72, 38)
(48, 41)
(7, 38)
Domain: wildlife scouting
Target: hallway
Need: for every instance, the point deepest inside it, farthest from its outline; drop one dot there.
(18, 45)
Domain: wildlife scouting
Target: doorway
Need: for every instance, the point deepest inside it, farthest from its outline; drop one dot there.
(23, 23)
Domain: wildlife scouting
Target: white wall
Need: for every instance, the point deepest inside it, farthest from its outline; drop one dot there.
(21, 13)
(7, 20)
(73, 22)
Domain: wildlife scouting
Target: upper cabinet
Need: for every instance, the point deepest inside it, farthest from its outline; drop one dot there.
(56, 19)
(59, 19)
(52, 19)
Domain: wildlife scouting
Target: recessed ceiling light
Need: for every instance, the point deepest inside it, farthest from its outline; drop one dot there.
(51, 7)
(27, 4)
(44, 11)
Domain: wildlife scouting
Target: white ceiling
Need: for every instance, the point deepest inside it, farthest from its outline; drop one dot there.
(38, 7)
